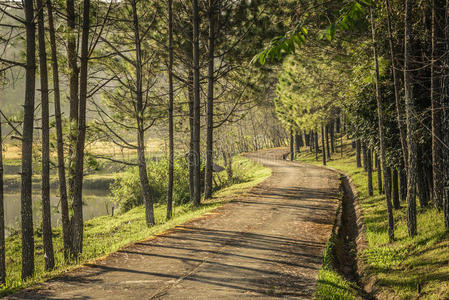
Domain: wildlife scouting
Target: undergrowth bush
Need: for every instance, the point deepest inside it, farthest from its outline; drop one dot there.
(127, 192)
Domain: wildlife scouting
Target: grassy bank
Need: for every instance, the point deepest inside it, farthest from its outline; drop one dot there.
(331, 284)
(107, 234)
(408, 268)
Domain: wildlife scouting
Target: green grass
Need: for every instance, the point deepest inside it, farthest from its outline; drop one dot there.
(408, 264)
(332, 285)
(106, 234)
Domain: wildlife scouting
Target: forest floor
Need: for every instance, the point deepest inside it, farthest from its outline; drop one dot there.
(266, 243)
(408, 268)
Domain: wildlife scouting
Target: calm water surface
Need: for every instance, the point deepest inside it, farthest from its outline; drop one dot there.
(96, 203)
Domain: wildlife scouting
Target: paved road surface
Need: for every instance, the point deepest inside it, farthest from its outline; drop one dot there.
(267, 244)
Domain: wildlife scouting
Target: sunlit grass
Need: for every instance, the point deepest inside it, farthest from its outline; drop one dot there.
(332, 285)
(106, 234)
(408, 268)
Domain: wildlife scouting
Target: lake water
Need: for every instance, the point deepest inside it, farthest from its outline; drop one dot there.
(95, 203)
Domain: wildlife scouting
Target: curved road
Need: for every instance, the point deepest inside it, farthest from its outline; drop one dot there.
(267, 243)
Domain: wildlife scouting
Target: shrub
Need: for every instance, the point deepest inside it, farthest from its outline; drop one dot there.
(127, 192)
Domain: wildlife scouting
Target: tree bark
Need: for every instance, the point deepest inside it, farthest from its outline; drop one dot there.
(317, 149)
(403, 182)
(364, 155)
(2, 214)
(328, 152)
(396, 203)
(358, 153)
(332, 136)
(170, 113)
(210, 103)
(399, 112)
(411, 125)
(72, 59)
(437, 151)
(196, 106)
(46, 209)
(77, 219)
(380, 114)
(59, 137)
(379, 176)
(144, 183)
(323, 144)
(292, 145)
(27, 144)
(370, 173)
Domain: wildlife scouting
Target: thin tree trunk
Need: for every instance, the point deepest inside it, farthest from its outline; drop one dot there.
(292, 145)
(396, 203)
(144, 183)
(399, 112)
(364, 155)
(27, 145)
(72, 57)
(2, 215)
(328, 152)
(210, 103)
(358, 153)
(370, 173)
(317, 148)
(332, 136)
(191, 130)
(403, 182)
(437, 151)
(380, 114)
(423, 188)
(59, 138)
(170, 112)
(77, 220)
(379, 176)
(323, 144)
(445, 118)
(46, 210)
(411, 126)
(196, 105)
(298, 142)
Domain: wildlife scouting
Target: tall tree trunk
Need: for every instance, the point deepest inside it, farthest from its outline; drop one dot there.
(59, 138)
(435, 94)
(399, 112)
(191, 130)
(196, 106)
(332, 135)
(2, 215)
(210, 103)
(317, 148)
(423, 188)
(380, 114)
(403, 182)
(445, 117)
(298, 142)
(358, 153)
(144, 183)
(292, 145)
(170, 113)
(27, 144)
(379, 175)
(46, 209)
(396, 203)
(77, 220)
(364, 155)
(72, 59)
(323, 144)
(370, 173)
(411, 125)
(328, 152)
